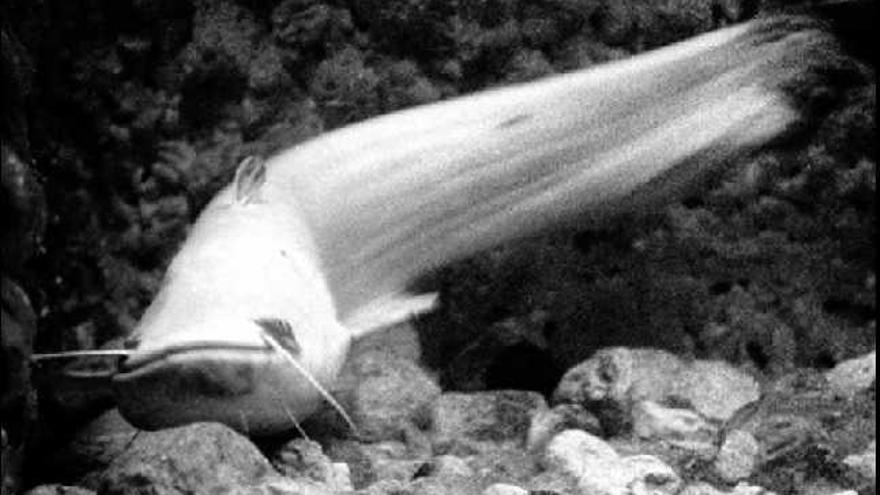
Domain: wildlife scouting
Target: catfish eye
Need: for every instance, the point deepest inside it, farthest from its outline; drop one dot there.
(282, 331)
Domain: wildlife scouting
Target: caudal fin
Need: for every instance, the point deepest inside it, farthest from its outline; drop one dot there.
(394, 196)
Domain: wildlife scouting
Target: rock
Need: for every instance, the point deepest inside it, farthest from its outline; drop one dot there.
(393, 395)
(93, 448)
(194, 458)
(370, 462)
(865, 463)
(642, 474)
(287, 486)
(738, 456)
(552, 482)
(653, 421)
(58, 490)
(494, 416)
(613, 380)
(620, 375)
(716, 389)
(703, 488)
(747, 489)
(805, 431)
(499, 463)
(700, 488)
(573, 451)
(546, 424)
(446, 474)
(448, 466)
(599, 469)
(854, 375)
(504, 489)
(305, 459)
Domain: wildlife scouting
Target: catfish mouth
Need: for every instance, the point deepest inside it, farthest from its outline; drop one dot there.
(202, 369)
(192, 381)
(142, 361)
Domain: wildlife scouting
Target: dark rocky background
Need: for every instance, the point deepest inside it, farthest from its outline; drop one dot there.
(121, 118)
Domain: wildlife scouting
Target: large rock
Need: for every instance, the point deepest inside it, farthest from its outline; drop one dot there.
(192, 459)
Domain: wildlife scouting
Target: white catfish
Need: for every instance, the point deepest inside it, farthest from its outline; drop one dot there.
(316, 245)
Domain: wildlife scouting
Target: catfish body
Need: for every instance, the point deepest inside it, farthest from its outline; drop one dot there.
(318, 244)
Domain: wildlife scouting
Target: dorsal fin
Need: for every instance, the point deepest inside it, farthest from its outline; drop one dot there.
(249, 178)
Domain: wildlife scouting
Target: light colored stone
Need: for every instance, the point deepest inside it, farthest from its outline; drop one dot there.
(575, 452)
(545, 424)
(616, 378)
(340, 479)
(865, 463)
(738, 456)
(450, 466)
(599, 470)
(701, 488)
(652, 420)
(716, 389)
(743, 488)
(58, 490)
(853, 375)
(504, 489)
(620, 374)
(647, 475)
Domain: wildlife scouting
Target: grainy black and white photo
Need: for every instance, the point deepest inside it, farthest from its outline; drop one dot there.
(478, 247)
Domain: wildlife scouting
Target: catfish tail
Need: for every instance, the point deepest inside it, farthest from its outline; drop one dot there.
(392, 197)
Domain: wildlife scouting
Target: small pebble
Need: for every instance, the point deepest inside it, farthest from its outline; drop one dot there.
(504, 489)
(738, 456)
(854, 375)
(652, 420)
(645, 474)
(547, 423)
(450, 466)
(865, 463)
(599, 470)
(701, 488)
(571, 451)
(58, 490)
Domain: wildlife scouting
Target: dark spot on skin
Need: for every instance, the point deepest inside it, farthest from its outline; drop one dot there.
(516, 120)
(282, 332)
(205, 378)
(218, 379)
